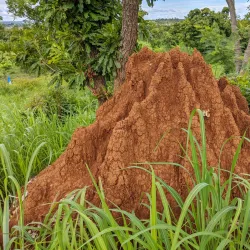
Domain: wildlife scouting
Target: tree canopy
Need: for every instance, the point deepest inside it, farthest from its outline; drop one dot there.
(80, 39)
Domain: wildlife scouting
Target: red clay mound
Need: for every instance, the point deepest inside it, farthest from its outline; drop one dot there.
(143, 122)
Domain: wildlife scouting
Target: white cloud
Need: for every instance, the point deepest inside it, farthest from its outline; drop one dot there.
(5, 14)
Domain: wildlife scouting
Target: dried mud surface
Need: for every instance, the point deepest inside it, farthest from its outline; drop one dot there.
(143, 123)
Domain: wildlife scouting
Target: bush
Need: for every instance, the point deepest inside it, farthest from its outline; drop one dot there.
(61, 102)
(243, 82)
(218, 70)
(24, 127)
(7, 62)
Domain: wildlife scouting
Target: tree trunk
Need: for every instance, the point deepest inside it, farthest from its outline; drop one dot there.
(231, 6)
(99, 90)
(246, 57)
(130, 9)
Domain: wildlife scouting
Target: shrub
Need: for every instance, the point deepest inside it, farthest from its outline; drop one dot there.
(61, 102)
(218, 70)
(243, 82)
(24, 127)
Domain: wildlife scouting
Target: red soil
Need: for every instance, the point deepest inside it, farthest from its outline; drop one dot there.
(143, 122)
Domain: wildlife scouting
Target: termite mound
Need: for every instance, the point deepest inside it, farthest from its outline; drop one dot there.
(143, 123)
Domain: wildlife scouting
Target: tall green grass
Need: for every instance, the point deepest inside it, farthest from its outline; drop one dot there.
(26, 125)
(22, 133)
(22, 90)
(210, 218)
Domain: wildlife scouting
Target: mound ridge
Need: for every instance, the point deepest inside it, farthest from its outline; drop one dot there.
(143, 123)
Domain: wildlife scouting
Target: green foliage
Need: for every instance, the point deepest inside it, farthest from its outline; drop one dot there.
(218, 70)
(246, 92)
(1, 28)
(189, 30)
(198, 19)
(75, 41)
(7, 62)
(244, 26)
(217, 48)
(24, 124)
(61, 102)
(150, 2)
(7, 56)
(243, 82)
(206, 30)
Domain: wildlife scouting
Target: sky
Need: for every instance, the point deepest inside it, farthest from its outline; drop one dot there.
(180, 8)
(165, 9)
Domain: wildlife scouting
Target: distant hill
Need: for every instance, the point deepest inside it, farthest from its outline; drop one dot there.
(12, 23)
(168, 20)
(160, 20)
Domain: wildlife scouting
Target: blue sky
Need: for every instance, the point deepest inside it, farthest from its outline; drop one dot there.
(167, 8)
(180, 8)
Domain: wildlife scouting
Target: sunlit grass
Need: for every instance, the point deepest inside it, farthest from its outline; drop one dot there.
(210, 217)
(23, 130)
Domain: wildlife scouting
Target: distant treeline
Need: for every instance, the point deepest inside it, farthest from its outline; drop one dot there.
(12, 23)
(168, 20)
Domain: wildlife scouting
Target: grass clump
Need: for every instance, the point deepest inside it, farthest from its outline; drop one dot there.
(25, 124)
(62, 102)
(21, 90)
(210, 217)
